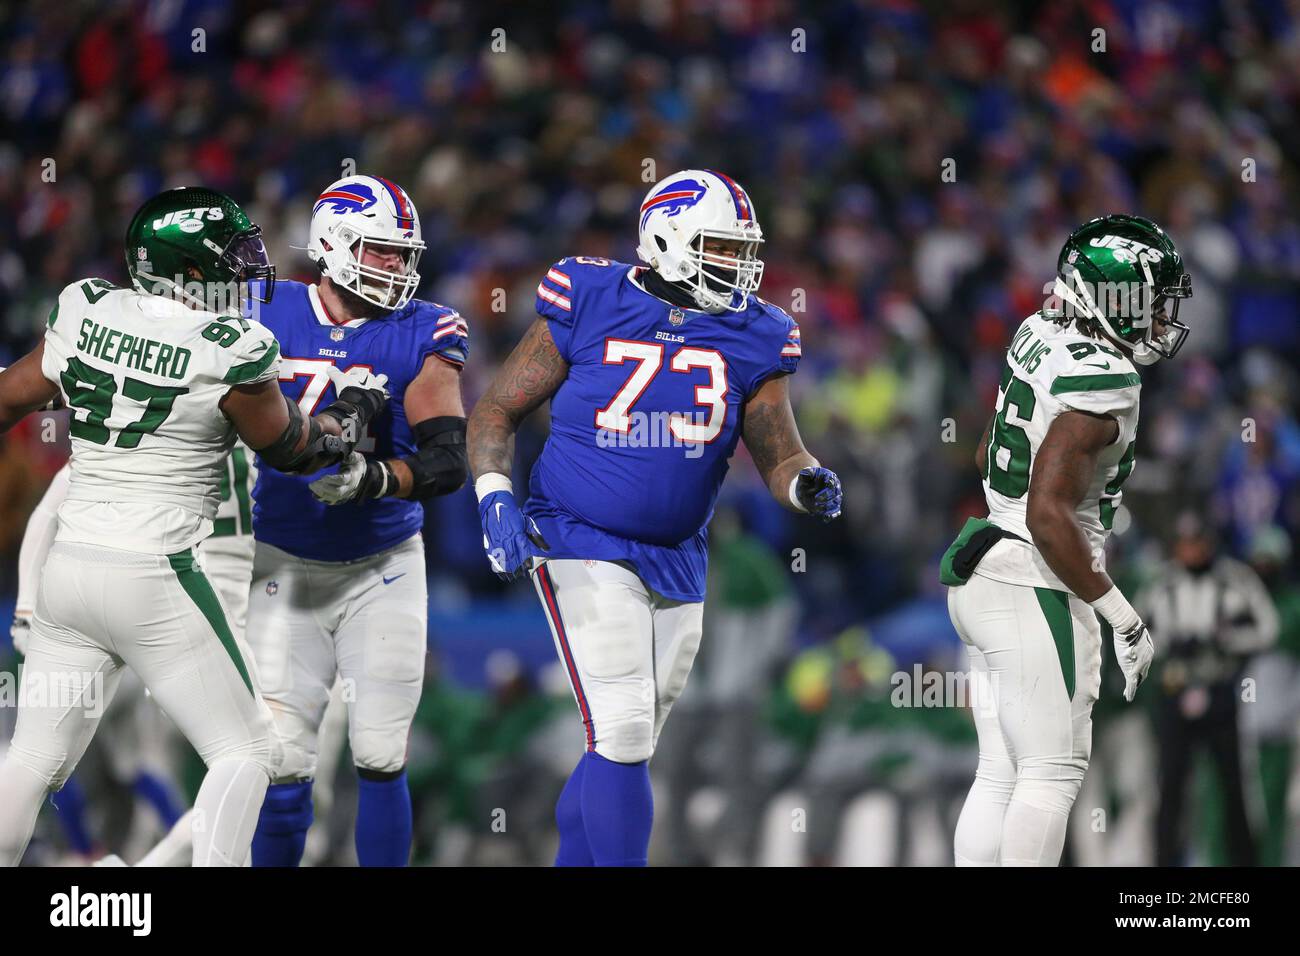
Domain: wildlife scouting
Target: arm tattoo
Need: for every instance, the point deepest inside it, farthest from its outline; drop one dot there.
(529, 377)
(772, 438)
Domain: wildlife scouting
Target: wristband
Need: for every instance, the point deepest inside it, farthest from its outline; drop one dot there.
(794, 498)
(1114, 607)
(492, 482)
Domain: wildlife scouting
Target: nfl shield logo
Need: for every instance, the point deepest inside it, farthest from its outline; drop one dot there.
(336, 335)
(272, 587)
(676, 317)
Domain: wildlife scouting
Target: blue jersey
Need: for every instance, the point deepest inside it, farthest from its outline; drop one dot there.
(643, 426)
(285, 513)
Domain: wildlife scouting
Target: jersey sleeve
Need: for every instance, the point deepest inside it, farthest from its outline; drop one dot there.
(1104, 393)
(782, 346)
(555, 302)
(61, 328)
(254, 357)
(449, 339)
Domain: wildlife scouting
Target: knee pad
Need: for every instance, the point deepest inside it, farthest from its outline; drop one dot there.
(1050, 784)
(629, 741)
(287, 808)
(378, 750)
(262, 749)
(50, 769)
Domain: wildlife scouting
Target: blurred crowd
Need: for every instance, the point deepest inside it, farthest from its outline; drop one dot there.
(916, 168)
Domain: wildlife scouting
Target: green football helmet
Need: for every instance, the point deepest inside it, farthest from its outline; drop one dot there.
(1125, 274)
(196, 245)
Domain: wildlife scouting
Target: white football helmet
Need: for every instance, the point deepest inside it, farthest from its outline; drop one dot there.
(361, 211)
(680, 213)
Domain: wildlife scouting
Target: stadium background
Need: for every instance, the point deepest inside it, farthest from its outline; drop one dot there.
(840, 118)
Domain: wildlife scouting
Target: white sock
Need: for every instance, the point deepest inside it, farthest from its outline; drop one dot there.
(21, 794)
(176, 848)
(226, 810)
(1032, 836)
(978, 839)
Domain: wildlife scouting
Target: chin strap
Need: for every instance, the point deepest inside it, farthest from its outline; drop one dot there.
(674, 292)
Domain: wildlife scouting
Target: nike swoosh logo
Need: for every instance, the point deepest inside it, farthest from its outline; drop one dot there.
(1095, 365)
(500, 505)
(394, 578)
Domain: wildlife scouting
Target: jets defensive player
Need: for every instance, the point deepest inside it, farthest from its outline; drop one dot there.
(339, 582)
(654, 374)
(158, 386)
(1027, 584)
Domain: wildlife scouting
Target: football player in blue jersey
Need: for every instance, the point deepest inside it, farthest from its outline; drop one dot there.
(653, 375)
(339, 582)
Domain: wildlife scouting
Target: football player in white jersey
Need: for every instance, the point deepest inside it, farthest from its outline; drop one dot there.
(160, 379)
(1027, 584)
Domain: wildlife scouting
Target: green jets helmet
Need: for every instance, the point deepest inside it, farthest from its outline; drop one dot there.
(196, 245)
(1125, 274)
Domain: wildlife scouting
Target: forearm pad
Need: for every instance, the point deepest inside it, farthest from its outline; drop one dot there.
(320, 451)
(441, 463)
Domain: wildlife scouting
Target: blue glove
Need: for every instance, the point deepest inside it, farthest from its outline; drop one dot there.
(818, 491)
(510, 537)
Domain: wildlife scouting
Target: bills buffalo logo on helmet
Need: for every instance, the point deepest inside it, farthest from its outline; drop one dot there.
(350, 197)
(673, 198)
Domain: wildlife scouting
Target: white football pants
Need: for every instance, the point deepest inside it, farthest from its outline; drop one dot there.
(98, 610)
(365, 621)
(626, 649)
(1038, 653)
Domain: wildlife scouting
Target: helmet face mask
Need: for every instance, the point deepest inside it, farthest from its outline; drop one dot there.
(359, 219)
(1124, 277)
(246, 257)
(698, 230)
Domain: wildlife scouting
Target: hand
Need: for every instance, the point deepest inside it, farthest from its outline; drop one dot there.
(365, 390)
(20, 631)
(1134, 650)
(818, 491)
(510, 538)
(356, 478)
(358, 377)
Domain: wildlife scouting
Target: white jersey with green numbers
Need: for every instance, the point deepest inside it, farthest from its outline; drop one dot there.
(1052, 368)
(143, 376)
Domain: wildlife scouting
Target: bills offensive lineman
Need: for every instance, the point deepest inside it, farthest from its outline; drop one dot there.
(338, 575)
(653, 375)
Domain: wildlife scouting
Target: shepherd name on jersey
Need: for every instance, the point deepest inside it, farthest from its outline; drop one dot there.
(644, 424)
(285, 513)
(143, 376)
(1052, 368)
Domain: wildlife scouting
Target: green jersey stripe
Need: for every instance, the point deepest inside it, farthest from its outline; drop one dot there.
(250, 371)
(1094, 383)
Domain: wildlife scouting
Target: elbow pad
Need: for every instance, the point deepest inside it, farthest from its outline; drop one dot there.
(441, 463)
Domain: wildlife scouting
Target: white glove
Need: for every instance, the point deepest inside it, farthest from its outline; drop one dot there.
(358, 377)
(1133, 646)
(20, 630)
(1134, 651)
(342, 486)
